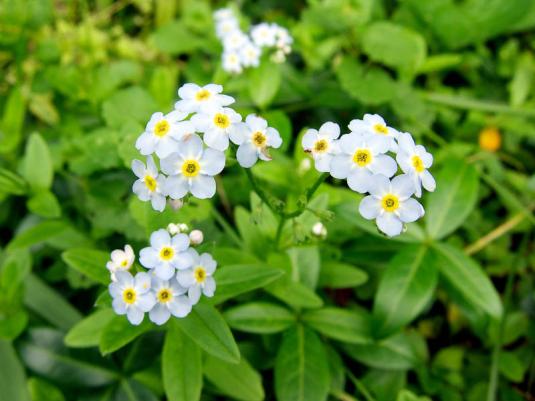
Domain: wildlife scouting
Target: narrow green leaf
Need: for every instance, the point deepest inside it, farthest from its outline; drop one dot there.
(294, 294)
(264, 83)
(301, 367)
(12, 120)
(341, 275)
(181, 366)
(43, 231)
(37, 164)
(305, 262)
(119, 332)
(238, 381)
(12, 376)
(90, 262)
(349, 326)
(453, 200)
(233, 280)
(44, 204)
(405, 288)
(208, 329)
(259, 317)
(87, 332)
(12, 183)
(41, 390)
(467, 277)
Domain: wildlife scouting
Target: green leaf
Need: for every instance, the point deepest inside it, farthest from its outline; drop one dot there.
(43, 231)
(131, 104)
(259, 317)
(12, 120)
(87, 332)
(453, 200)
(208, 329)
(305, 265)
(238, 381)
(37, 166)
(264, 82)
(467, 277)
(301, 367)
(406, 395)
(341, 275)
(520, 85)
(49, 304)
(181, 366)
(511, 366)
(406, 287)
(12, 376)
(394, 46)
(119, 332)
(12, 183)
(44, 204)
(350, 326)
(175, 38)
(294, 294)
(45, 353)
(233, 280)
(89, 262)
(41, 390)
(132, 390)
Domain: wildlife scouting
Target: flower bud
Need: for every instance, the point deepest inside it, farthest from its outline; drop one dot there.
(176, 203)
(319, 230)
(183, 228)
(173, 228)
(196, 237)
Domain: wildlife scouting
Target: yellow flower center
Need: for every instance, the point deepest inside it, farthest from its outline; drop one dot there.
(200, 274)
(418, 164)
(124, 263)
(161, 128)
(150, 183)
(202, 95)
(362, 157)
(129, 296)
(259, 139)
(191, 168)
(390, 202)
(321, 146)
(164, 295)
(490, 139)
(167, 253)
(380, 129)
(221, 120)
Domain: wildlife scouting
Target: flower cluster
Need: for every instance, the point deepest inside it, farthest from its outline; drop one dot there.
(188, 162)
(362, 158)
(241, 50)
(177, 278)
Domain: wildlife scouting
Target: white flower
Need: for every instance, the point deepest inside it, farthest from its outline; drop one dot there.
(360, 158)
(254, 138)
(196, 98)
(132, 295)
(191, 169)
(263, 35)
(390, 203)
(162, 133)
(217, 125)
(232, 62)
(235, 40)
(283, 40)
(322, 144)
(121, 260)
(198, 278)
(166, 254)
(150, 185)
(196, 237)
(373, 124)
(170, 300)
(415, 160)
(173, 229)
(319, 230)
(250, 55)
(225, 27)
(223, 14)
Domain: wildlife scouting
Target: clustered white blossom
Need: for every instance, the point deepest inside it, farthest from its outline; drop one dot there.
(362, 158)
(189, 162)
(178, 275)
(242, 50)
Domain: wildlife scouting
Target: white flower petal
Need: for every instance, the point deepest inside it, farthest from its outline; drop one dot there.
(208, 262)
(180, 306)
(185, 278)
(148, 257)
(409, 210)
(323, 162)
(330, 129)
(209, 287)
(402, 186)
(383, 164)
(164, 270)
(124, 279)
(176, 186)
(180, 242)
(246, 155)
(212, 162)
(273, 138)
(159, 314)
(389, 224)
(428, 181)
(309, 139)
(216, 139)
(380, 186)
(370, 207)
(188, 91)
(138, 168)
(194, 294)
(134, 315)
(146, 143)
(142, 282)
(146, 302)
(239, 133)
(119, 306)
(359, 180)
(158, 202)
(160, 238)
(190, 147)
(183, 261)
(341, 166)
(203, 186)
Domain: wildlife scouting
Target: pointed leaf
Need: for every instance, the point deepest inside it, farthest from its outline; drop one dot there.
(259, 317)
(89, 262)
(350, 326)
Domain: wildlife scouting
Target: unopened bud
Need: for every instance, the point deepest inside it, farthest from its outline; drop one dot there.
(304, 166)
(173, 228)
(176, 203)
(196, 237)
(183, 228)
(319, 230)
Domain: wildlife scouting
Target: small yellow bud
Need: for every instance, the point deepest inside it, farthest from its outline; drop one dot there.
(490, 139)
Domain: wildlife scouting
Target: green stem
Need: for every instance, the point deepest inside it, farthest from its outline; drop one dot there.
(226, 227)
(260, 192)
(308, 195)
(360, 387)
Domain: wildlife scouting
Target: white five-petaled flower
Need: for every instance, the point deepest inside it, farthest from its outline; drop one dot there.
(195, 98)
(264, 34)
(232, 62)
(322, 145)
(198, 279)
(414, 160)
(150, 185)
(254, 138)
(162, 133)
(192, 168)
(250, 55)
(166, 254)
(360, 158)
(170, 300)
(235, 40)
(132, 295)
(373, 124)
(390, 203)
(217, 125)
(120, 260)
